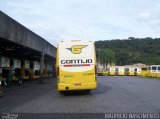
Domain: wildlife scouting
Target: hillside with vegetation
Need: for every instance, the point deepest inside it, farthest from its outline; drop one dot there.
(128, 51)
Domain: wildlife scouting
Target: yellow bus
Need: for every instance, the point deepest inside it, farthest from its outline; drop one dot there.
(137, 71)
(102, 72)
(144, 71)
(152, 70)
(76, 66)
(112, 71)
(131, 71)
(158, 71)
(121, 71)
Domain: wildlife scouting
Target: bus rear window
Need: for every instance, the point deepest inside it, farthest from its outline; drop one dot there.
(144, 69)
(154, 68)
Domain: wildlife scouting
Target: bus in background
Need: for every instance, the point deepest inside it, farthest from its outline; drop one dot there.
(112, 71)
(137, 71)
(121, 71)
(158, 71)
(76, 66)
(131, 71)
(101, 72)
(144, 71)
(152, 70)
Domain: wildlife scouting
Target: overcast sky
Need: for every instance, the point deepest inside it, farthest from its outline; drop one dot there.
(57, 20)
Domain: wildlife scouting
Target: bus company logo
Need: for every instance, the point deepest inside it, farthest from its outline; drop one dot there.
(77, 49)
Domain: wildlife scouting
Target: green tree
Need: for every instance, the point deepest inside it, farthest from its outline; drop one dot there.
(105, 56)
(131, 50)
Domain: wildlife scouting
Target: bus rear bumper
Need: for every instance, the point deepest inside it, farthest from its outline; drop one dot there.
(76, 86)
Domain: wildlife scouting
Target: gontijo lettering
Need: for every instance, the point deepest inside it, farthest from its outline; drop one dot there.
(77, 61)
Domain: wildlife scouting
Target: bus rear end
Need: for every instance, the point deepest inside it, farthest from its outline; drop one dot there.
(158, 71)
(144, 71)
(76, 63)
(153, 70)
(112, 71)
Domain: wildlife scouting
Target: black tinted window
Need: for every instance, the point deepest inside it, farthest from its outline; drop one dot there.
(154, 68)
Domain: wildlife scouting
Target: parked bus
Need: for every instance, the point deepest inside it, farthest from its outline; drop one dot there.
(116, 71)
(144, 71)
(131, 71)
(76, 66)
(152, 70)
(158, 71)
(102, 72)
(121, 71)
(112, 71)
(126, 71)
(137, 71)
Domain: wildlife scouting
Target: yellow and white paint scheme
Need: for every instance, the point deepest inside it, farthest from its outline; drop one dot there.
(152, 70)
(112, 71)
(126, 71)
(34, 72)
(121, 71)
(16, 68)
(137, 71)
(36, 66)
(101, 71)
(116, 70)
(131, 71)
(149, 71)
(105, 72)
(76, 65)
(158, 71)
(144, 71)
(25, 68)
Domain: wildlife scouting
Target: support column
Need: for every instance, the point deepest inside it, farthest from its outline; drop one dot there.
(41, 68)
(0, 69)
(0, 78)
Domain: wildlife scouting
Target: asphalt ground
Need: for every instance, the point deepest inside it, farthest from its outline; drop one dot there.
(120, 94)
